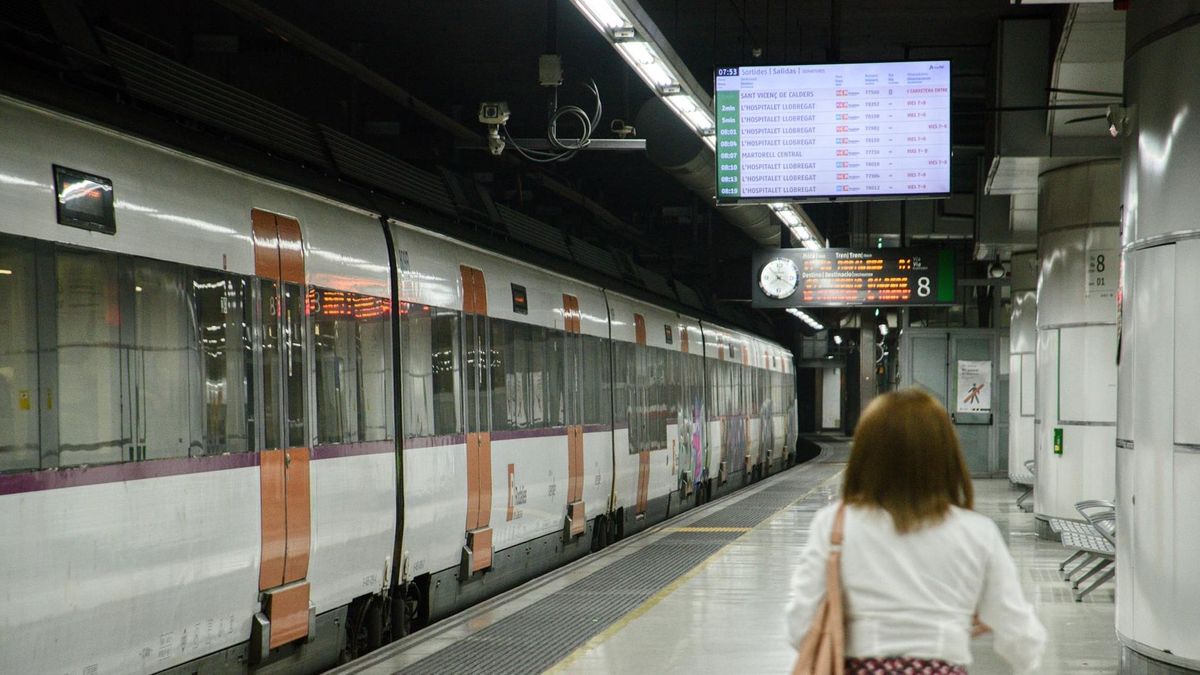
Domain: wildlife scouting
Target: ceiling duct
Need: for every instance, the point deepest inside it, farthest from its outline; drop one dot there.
(679, 152)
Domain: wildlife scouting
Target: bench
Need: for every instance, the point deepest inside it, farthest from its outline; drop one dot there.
(1025, 480)
(1094, 540)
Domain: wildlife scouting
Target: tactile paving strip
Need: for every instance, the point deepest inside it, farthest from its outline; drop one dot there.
(542, 634)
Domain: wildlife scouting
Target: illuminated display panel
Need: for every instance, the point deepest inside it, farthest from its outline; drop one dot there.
(84, 200)
(838, 277)
(833, 132)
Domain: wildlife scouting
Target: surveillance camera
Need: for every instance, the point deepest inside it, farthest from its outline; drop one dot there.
(1117, 120)
(493, 112)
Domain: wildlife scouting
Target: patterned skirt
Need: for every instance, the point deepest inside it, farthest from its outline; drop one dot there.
(906, 666)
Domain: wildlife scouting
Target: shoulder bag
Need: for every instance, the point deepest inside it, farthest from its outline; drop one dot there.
(823, 650)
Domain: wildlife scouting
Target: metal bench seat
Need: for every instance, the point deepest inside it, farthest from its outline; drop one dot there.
(1027, 480)
(1094, 541)
(1088, 542)
(1062, 525)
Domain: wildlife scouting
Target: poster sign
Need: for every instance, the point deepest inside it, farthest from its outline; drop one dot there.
(974, 387)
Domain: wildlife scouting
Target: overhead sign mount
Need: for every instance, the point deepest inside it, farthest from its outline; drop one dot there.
(840, 277)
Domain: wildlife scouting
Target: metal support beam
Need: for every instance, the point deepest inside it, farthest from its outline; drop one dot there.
(314, 46)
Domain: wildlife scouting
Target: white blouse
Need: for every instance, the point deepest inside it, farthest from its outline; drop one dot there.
(915, 594)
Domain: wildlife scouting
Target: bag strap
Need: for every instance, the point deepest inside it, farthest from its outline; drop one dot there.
(835, 537)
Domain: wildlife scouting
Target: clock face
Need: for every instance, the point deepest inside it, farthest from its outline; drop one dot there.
(779, 278)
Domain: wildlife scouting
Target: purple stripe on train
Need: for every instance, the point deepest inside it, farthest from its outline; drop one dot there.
(78, 476)
(54, 479)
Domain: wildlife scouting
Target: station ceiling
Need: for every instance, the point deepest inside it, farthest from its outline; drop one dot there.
(451, 56)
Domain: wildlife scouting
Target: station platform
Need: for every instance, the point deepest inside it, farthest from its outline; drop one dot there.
(706, 592)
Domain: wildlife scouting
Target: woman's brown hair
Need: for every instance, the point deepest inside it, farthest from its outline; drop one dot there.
(907, 461)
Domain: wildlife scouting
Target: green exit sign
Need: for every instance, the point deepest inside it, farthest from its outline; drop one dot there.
(1058, 441)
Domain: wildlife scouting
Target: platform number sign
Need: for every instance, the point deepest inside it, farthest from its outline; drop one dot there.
(1103, 265)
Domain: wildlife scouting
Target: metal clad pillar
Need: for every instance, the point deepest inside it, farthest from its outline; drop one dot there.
(868, 387)
(1022, 358)
(1076, 393)
(1158, 421)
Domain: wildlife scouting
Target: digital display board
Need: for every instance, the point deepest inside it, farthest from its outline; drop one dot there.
(833, 132)
(84, 200)
(839, 277)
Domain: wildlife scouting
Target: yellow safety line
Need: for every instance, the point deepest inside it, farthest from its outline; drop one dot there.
(670, 588)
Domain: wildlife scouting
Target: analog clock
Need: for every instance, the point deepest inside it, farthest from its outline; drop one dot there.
(778, 278)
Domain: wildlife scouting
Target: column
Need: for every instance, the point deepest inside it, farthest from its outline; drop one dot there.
(1022, 343)
(1076, 352)
(1158, 411)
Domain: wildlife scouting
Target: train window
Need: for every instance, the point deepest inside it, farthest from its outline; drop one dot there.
(620, 391)
(596, 386)
(694, 363)
(519, 376)
(555, 368)
(88, 349)
(269, 311)
(500, 364)
(732, 389)
(432, 370)
(20, 401)
(294, 363)
(635, 385)
(663, 400)
(351, 351)
(710, 380)
(227, 354)
(478, 373)
(573, 378)
(159, 362)
(537, 376)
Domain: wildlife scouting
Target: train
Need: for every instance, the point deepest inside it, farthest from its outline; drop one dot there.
(245, 427)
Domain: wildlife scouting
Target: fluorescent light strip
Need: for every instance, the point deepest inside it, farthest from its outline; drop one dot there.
(796, 222)
(812, 323)
(642, 57)
(603, 14)
(691, 112)
(613, 20)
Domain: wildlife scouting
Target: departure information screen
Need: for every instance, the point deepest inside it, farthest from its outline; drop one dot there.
(838, 131)
(836, 277)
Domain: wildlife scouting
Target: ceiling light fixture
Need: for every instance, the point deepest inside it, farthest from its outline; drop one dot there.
(602, 13)
(797, 221)
(812, 323)
(631, 32)
(652, 69)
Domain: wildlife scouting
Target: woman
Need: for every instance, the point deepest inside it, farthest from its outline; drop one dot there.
(920, 570)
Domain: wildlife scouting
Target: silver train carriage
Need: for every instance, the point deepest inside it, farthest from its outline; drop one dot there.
(204, 467)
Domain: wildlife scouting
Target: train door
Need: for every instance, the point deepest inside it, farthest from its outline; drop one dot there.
(287, 614)
(477, 554)
(639, 405)
(576, 520)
